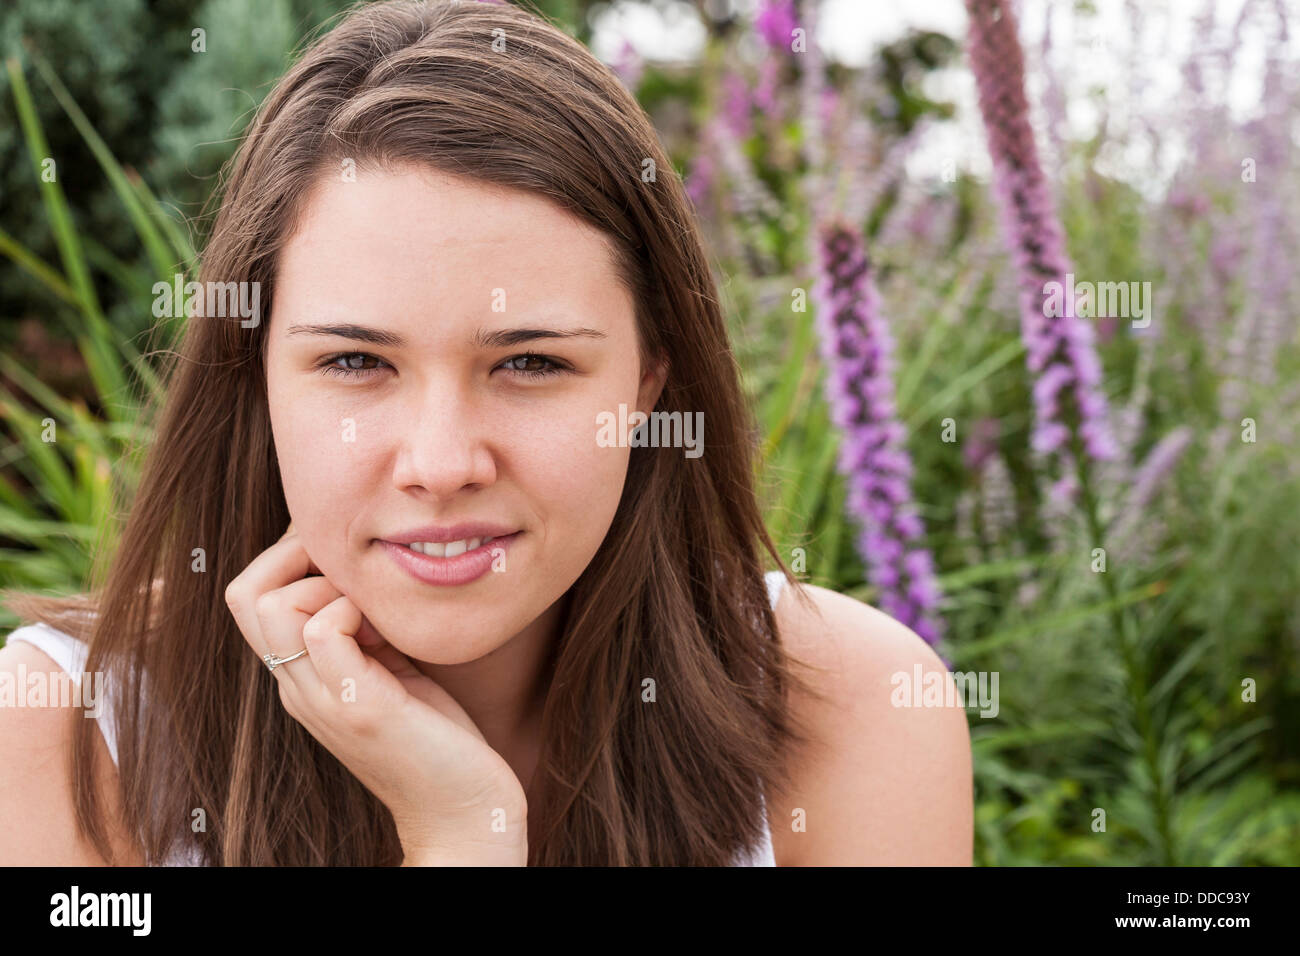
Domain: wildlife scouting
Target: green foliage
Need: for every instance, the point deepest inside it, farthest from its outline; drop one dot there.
(115, 56)
(71, 466)
(247, 47)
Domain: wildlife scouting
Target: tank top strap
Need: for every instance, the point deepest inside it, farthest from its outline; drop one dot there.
(775, 581)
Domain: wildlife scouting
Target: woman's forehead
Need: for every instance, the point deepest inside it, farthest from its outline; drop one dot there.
(396, 242)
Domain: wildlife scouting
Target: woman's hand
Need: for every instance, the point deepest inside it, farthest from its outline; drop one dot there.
(454, 799)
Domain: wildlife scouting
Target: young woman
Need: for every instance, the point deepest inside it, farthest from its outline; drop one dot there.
(389, 594)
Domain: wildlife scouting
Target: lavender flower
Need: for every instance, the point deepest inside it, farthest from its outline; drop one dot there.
(1054, 95)
(699, 180)
(750, 196)
(722, 168)
(628, 66)
(1137, 514)
(1060, 352)
(857, 349)
(997, 502)
(1253, 342)
(746, 201)
(983, 443)
(769, 85)
(862, 186)
(812, 101)
(1155, 469)
(774, 23)
(736, 103)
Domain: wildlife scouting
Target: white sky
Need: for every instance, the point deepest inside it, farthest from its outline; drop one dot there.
(1089, 51)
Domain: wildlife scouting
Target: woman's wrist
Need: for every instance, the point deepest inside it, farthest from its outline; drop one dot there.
(495, 838)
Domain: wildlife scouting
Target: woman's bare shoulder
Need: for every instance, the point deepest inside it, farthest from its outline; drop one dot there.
(37, 814)
(882, 784)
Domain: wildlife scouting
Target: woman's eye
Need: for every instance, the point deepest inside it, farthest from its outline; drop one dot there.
(358, 364)
(549, 366)
(354, 364)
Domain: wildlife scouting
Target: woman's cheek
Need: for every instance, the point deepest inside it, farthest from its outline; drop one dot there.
(591, 484)
(323, 469)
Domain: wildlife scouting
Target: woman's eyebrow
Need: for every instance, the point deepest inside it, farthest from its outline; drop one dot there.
(358, 333)
(505, 338)
(483, 338)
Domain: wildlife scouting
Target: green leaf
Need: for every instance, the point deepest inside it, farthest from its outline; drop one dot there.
(97, 347)
(34, 266)
(963, 383)
(164, 259)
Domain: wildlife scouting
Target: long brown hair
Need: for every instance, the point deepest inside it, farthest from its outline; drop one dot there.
(675, 591)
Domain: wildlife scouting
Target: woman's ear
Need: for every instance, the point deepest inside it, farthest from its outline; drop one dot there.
(652, 384)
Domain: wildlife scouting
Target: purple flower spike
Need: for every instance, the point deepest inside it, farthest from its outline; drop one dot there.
(857, 349)
(1060, 353)
(628, 66)
(774, 23)
(736, 103)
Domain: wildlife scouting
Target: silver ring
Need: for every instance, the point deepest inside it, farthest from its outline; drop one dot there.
(272, 662)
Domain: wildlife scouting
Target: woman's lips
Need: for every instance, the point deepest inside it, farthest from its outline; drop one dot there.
(462, 569)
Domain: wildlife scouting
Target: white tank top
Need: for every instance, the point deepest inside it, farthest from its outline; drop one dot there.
(70, 654)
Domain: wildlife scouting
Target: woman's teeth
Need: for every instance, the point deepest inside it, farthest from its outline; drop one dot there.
(448, 550)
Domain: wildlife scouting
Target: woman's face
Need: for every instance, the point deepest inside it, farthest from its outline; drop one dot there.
(428, 425)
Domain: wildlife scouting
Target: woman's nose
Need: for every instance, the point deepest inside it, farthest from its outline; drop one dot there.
(444, 444)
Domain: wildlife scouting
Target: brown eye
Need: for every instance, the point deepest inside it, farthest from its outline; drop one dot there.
(531, 363)
(353, 364)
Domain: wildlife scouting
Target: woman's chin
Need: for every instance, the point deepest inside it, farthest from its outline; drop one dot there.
(441, 650)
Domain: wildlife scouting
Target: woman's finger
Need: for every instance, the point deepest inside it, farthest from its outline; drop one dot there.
(281, 615)
(335, 654)
(279, 565)
(367, 636)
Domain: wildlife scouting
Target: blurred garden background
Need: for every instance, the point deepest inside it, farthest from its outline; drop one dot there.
(1096, 501)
